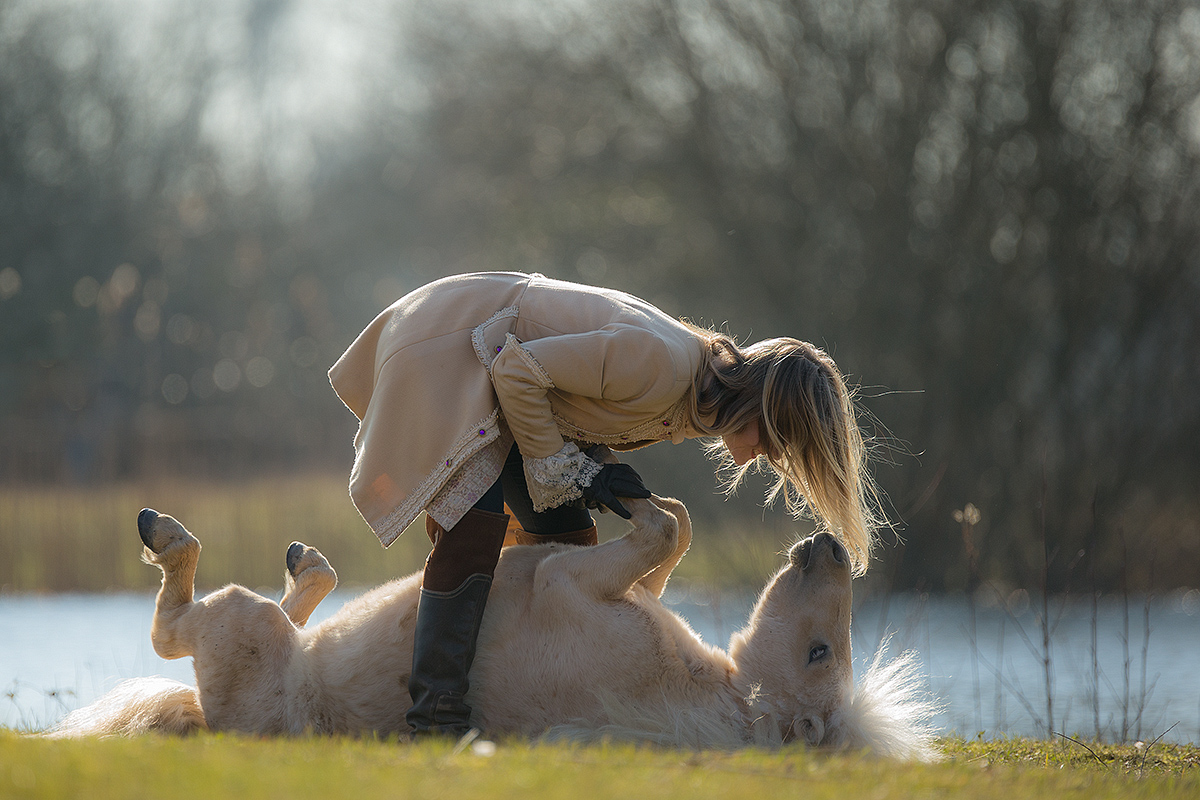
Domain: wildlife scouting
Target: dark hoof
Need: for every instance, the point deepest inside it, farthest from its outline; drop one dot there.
(146, 520)
(294, 554)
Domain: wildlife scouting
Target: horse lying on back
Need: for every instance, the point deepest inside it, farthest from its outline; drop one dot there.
(575, 643)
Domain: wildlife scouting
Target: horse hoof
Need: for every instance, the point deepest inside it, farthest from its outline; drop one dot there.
(295, 552)
(146, 520)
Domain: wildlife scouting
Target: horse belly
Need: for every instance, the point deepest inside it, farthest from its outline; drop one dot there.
(560, 663)
(357, 663)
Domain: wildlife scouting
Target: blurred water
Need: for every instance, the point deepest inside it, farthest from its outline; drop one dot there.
(62, 651)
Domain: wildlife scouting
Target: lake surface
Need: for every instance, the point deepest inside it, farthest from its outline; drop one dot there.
(62, 651)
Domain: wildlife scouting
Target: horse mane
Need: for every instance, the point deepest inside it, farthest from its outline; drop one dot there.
(890, 712)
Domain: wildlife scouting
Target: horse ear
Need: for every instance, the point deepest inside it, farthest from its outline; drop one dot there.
(812, 728)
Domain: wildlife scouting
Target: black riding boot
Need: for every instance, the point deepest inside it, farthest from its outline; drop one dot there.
(443, 649)
(458, 576)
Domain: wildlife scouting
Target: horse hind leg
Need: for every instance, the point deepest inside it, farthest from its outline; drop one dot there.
(608, 570)
(170, 547)
(309, 579)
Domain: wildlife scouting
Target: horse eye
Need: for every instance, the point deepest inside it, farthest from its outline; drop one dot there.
(817, 653)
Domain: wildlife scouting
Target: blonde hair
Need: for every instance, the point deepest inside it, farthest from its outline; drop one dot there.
(807, 426)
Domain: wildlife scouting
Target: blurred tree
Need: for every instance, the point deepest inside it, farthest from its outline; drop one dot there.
(164, 290)
(992, 205)
(987, 212)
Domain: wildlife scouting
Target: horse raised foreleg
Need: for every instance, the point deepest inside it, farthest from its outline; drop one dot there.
(309, 580)
(608, 570)
(656, 579)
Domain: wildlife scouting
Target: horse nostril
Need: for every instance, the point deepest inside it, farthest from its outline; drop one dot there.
(822, 541)
(802, 553)
(839, 552)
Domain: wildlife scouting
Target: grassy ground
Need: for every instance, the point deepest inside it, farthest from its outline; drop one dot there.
(231, 766)
(85, 538)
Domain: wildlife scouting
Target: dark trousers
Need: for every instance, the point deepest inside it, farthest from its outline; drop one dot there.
(512, 489)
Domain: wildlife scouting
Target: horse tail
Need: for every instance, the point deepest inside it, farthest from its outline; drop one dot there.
(136, 706)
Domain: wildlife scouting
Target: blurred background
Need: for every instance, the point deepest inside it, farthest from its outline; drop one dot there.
(987, 212)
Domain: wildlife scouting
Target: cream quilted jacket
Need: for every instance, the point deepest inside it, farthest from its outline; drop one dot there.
(445, 380)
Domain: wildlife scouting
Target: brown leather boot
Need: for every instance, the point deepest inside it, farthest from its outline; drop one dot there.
(514, 525)
(433, 530)
(585, 538)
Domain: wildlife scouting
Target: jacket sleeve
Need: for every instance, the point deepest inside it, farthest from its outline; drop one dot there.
(620, 364)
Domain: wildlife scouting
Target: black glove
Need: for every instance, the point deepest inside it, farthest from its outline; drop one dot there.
(613, 481)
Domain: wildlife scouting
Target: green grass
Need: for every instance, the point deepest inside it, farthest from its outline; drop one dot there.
(57, 539)
(246, 768)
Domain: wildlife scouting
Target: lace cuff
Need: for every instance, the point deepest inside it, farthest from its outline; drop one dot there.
(560, 478)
